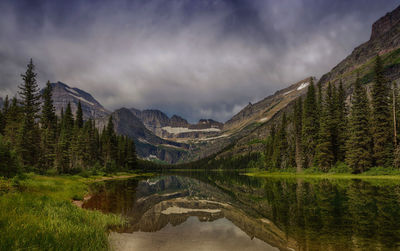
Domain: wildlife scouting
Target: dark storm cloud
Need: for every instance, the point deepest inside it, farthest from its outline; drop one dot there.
(199, 58)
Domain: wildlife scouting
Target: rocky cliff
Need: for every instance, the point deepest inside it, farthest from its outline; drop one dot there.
(385, 41)
(265, 109)
(126, 122)
(176, 127)
(148, 145)
(63, 94)
(385, 23)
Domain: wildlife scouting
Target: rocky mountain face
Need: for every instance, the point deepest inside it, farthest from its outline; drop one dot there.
(63, 94)
(176, 127)
(148, 145)
(265, 109)
(157, 136)
(384, 40)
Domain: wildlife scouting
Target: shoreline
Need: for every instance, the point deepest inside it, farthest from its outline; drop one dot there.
(79, 203)
(266, 174)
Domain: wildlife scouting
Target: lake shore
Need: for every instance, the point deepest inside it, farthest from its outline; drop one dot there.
(321, 175)
(43, 212)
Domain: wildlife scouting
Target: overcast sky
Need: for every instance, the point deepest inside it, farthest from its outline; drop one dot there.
(194, 58)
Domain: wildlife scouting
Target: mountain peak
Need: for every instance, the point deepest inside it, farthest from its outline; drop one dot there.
(385, 23)
(64, 94)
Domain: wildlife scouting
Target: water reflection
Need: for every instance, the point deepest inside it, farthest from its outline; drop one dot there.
(283, 213)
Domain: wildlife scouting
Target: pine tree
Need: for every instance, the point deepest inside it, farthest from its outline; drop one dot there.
(3, 116)
(13, 119)
(319, 98)
(298, 124)
(280, 156)
(63, 158)
(68, 119)
(381, 118)
(48, 117)
(310, 126)
(269, 149)
(341, 118)
(29, 135)
(79, 116)
(2, 123)
(6, 105)
(9, 165)
(325, 149)
(358, 145)
(109, 143)
(131, 158)
(49, 130)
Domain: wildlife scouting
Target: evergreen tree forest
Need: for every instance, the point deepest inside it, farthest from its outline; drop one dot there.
(325, 131)
(34, 138)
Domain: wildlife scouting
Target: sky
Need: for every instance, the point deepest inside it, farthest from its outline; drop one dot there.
(194, 58)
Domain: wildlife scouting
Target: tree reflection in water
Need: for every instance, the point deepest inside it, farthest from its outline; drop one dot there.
(315, 214)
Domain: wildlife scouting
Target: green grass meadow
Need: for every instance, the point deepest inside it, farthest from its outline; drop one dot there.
(36, 213)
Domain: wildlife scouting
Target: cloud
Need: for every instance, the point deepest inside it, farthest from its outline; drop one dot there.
(193, 58)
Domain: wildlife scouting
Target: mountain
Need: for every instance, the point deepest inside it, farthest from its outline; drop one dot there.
(63, 94)
(148, 145)
(384, 40)
(174, 139)
(265, 109)
(236, 130)
(177, 128)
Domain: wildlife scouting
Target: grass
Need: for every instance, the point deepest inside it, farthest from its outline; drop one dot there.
(373, 173)
(36, 213)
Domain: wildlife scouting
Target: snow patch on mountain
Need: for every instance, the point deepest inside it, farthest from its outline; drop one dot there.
(82, 99)
(72, 91)
(177, 130)
(302, 86)
(286, 93)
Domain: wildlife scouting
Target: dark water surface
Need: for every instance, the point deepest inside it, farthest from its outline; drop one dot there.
(229, 211)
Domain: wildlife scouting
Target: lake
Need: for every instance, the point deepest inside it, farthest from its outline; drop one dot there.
(230, 211)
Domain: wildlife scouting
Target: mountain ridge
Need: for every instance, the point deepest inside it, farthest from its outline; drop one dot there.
(385, 42)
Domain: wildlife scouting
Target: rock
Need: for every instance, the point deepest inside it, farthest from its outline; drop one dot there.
(177, 127)
(63, 94)
(385, 23)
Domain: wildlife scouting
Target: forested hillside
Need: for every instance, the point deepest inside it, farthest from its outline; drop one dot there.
(33, 138)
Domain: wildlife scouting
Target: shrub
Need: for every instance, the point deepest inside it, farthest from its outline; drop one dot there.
(9, 164)
(340, 167)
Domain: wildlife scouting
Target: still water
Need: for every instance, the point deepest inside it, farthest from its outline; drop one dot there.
(229, 211)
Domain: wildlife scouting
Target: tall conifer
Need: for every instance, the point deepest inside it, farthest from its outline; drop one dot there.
(298, 124)
(79, 116)
(310, 126)
(29, 135)
(325, 149)
(381, 118)
(358, 146)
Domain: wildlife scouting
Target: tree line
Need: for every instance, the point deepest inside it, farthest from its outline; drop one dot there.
(34, 138)
(324, 130)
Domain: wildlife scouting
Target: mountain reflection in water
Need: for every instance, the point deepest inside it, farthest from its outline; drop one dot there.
(228, 211)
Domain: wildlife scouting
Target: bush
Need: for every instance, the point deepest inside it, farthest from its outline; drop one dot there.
(379, 170)
(312, 170)
(84, 174)
(9, 164)
(340, 167)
